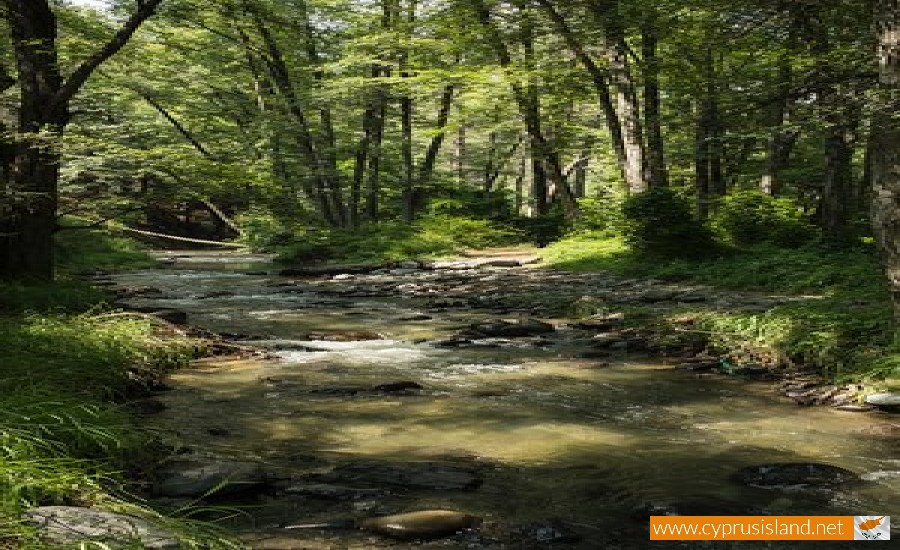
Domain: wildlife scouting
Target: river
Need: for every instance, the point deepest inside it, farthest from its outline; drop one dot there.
(553, 450)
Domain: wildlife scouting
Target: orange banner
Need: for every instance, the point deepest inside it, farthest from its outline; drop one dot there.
(751, 528)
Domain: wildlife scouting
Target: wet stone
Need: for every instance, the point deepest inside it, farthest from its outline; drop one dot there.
(800, 474)
(329, 491)
(74, 525)
(884, 400)
(199, 478)
(501, 328)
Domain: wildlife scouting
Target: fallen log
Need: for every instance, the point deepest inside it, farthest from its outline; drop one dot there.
(181, 239)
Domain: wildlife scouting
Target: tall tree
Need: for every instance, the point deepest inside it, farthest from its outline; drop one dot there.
(28, 223)
(886, 144)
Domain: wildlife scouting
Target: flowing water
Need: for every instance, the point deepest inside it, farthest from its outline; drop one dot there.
(563, 446)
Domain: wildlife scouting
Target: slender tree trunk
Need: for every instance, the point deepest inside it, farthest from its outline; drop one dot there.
(600, 79)
(459, 151)
(713, 129)
(406, 115)
(702, 161)
(528, 113)
(539, 188)
(330, 173)
(318, 191)
(886, 145)
(359, 166)
(656, 155)
(434, 148)
(782, 140)
(837, 189)
(520, 185)
(622, 78)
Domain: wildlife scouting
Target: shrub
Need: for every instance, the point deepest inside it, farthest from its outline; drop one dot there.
(599, 216)
(658, 222)
(752, 217)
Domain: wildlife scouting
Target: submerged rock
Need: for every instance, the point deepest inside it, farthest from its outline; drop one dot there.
(421, 476)
(200, 478)
(426, 524)
(73, 525)
(795, 474)
(395, 387)
(329, 491)
(501, 328)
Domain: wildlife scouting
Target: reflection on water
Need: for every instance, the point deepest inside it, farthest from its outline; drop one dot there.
(597, 444)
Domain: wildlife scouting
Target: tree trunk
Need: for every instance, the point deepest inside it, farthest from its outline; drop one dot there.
(28, 219)
(836, 193)
(656, 156)
(701, 161)
(406, 117)
(434, 148)
(459, 151)
(539, 188)
(600, 80)
(528, 113)
(616, 49)
(782, 140)
(318, 191)
(886, 146)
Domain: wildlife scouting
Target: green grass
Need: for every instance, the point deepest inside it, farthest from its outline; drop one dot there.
(429, 237)
(87, 250)
(66, 369)
(843, 326)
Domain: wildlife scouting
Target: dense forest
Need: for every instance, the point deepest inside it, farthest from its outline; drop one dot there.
(745, 147)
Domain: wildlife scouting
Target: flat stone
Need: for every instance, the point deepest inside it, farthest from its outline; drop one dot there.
(884, 400)
(73, 525)
(199, 478)
(607, 340)
(854, 408)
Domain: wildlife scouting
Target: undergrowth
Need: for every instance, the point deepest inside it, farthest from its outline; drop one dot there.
(430, 236)
(838, 318)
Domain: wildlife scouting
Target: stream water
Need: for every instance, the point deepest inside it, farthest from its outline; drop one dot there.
(567, 452)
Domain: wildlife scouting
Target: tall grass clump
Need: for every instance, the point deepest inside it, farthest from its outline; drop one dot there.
(65, 437)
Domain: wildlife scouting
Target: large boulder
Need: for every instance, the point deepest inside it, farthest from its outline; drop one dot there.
(65, 525)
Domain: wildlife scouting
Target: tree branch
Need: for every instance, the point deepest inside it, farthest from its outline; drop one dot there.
(146, 8)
